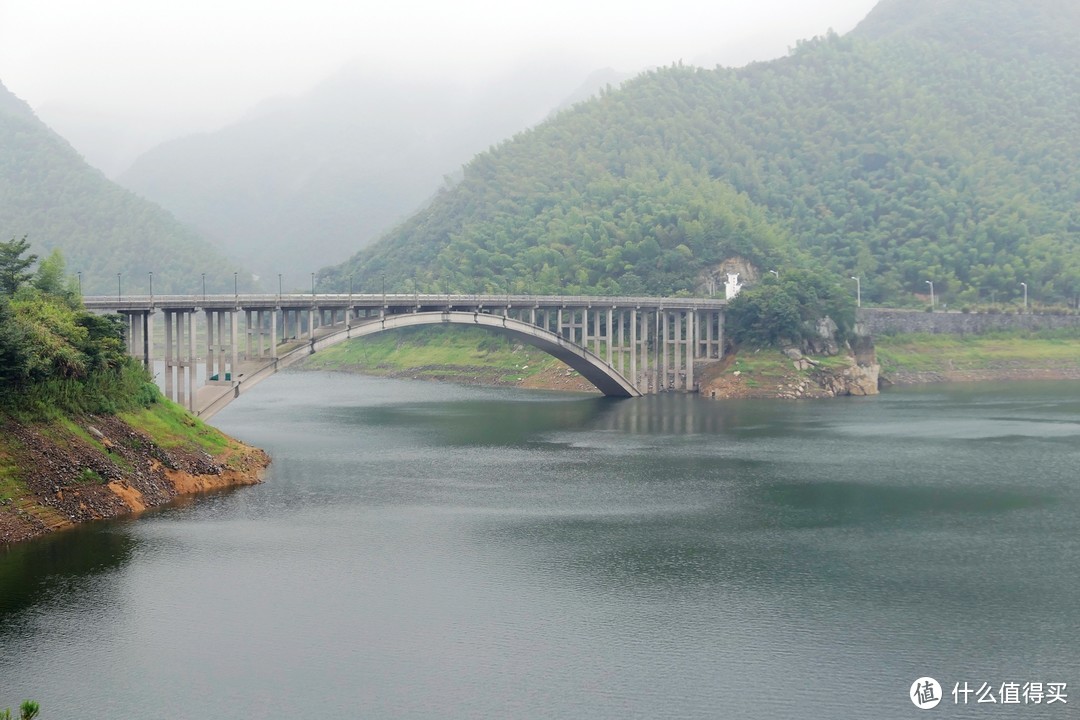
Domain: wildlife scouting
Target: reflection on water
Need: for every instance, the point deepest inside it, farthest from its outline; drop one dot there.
(37, 572)
(423, 550)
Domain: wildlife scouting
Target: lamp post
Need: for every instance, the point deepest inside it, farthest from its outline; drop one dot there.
(932, 303)
(1024, 284)
(204, 287)
(235, 290)
(775, 274)
(858, 291)
(151, 288)
(79, 273)
(312, 284)
(119, 289)
(279, 288)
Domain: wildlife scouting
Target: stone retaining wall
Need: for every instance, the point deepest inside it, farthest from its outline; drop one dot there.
(888, 322)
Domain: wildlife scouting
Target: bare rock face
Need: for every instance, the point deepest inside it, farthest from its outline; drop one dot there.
(852, 380)
(823, 340)
(711, 280)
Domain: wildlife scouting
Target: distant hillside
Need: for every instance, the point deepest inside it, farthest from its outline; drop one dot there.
(332, 169)
(49, 194)
(937, 142)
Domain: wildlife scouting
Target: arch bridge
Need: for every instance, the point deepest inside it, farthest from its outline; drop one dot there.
(625, 346)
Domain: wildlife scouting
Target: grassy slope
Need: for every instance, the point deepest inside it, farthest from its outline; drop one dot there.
(170, 426)
(920, 353)
(461, 354)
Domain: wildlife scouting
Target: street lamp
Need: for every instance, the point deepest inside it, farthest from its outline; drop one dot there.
(1025, 295)
(119, 290)
(312, 284)
(204, 287)
(858, 291)
(932, 303)
(79, 273)
(151, 287)
(775, 274)
(235, 292)
(279, 287)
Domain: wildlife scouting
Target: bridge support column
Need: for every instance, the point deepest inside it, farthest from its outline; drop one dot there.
(180, 341)
(223, 353)
(610, 335)
(664, 349)
(710, 335)
(688, 349)
(139, 335)
(273, 332)
(249, 330)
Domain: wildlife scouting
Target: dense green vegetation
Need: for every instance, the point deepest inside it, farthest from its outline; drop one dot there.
(55, 356)
(50, 194)
(938, 142)
(786, 309)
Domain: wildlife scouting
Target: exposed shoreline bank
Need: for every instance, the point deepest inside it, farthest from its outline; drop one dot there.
(62, 472)
(767, 373)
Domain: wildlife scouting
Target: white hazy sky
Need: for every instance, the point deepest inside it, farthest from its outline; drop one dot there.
(198, 64)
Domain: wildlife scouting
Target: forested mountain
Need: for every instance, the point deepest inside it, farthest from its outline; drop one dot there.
(51, 196)
(330, 170)
(939, 141)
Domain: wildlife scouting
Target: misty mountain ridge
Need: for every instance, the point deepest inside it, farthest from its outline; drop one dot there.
(334, 167)
(51, 195)
(936, 142)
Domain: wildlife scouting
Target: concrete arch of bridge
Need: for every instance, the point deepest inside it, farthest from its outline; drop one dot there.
(606, 379)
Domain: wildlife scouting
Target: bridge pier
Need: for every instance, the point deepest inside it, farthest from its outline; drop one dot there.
(222, 357)
(180, 356)
(139, 335)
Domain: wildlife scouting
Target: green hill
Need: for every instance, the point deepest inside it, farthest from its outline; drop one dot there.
(937, 142)
(49, 194)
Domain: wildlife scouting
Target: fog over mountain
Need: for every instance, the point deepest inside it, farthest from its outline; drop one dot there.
(106, 233)
(329, 170)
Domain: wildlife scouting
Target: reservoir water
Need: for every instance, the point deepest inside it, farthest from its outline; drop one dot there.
(432, 551)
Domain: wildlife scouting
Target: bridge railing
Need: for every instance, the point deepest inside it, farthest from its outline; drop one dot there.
(143, 302)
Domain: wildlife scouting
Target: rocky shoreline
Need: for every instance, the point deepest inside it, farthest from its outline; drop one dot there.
(97, 467)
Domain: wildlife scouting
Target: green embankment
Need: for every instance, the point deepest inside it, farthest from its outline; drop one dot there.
(473, 356)
(459, 354)
(1005, 351)
(171, 426)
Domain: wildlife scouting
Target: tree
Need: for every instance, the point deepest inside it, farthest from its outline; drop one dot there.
(50, 277)
(13, 266)
(784, 310)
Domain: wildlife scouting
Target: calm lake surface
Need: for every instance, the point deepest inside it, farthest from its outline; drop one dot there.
(432, 551)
